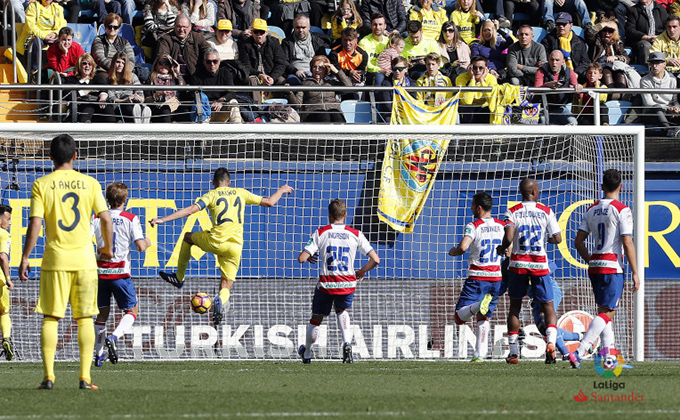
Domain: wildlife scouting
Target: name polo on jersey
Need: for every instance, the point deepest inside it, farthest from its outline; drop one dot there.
(533, 222)
(337, 246)
(484, 263)
(608, 220)
(127, 229)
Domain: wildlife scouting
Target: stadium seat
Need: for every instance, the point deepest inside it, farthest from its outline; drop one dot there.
(617, 111)
(357, 112)
(578, 31)
(539, 33)
(642, 69)
(277, 31)
(519, 16)
(83, 34)
(317, 30)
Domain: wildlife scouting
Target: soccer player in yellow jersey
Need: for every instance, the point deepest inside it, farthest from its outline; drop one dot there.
(227, 210)
(5, 281)
(65, 199)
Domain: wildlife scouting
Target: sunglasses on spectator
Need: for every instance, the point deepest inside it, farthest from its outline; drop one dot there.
(114, 27)
(215, 61)
(398, 68)
(318, 67)
(478, 67)
(163, 63)
(258, 32)
(345, 9)
(450, 30)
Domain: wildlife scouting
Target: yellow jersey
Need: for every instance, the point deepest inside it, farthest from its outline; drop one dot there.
(5, 244)
(65, 199)
(227, 208)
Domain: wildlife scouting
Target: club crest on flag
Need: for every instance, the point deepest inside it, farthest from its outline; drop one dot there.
(419, 163)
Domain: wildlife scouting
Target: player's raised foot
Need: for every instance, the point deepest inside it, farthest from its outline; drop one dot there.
(301, 352)
(46, 384)
(111, 343)
(484, 304)
(217, 311)
(512, 359)
(477, 360)
(550, 354)
(8, 348)
(171, 278)
(347, 353)
(88, 385)
(575, 360)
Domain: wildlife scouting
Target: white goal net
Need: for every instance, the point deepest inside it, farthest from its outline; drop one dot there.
(403, 309)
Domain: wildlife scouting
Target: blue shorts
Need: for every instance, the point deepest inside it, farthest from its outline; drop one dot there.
(607, 288)
(123, 290)
(541, 286)
(322, 302)
(474, 290)
(557, 299)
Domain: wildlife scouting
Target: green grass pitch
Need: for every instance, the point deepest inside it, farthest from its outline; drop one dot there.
(366, 389)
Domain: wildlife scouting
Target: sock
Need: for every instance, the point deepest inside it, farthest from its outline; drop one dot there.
(482, 338)
(559, 343)
(124, 325)
(466, 312)
(48, 343)
(607, 335)
(551, 333)
(6, 326)
(594, 331)
(224, 295)
(100, 335)
(86, 344)
(512, 341)
(183, 260)
(343, 324)
(568, 335)
(312, 334)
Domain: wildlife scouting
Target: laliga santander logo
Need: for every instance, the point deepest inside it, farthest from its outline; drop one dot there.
(419, 163)
(609, 363)
(578, 322)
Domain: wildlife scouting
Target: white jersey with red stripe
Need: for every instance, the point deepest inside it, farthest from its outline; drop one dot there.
(126, 230)
(533, 222)
(484, 263)
(608, 220)
(337, 245)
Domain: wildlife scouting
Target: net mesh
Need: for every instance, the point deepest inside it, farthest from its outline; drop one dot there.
(404, 309)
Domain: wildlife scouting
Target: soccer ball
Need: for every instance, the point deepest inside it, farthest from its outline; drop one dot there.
(610, 361)
(201, 303)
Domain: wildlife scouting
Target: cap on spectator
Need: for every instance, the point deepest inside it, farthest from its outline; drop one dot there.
(260, 24)
(607, 24)
(563, 17)
(224, 25)
(656, 56)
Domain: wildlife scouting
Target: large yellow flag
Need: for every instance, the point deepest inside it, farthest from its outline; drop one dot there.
(410, 165)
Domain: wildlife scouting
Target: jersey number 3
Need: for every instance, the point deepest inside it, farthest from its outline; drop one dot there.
(74, 207)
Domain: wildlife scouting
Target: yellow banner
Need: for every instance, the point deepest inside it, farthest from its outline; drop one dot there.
(407, 110)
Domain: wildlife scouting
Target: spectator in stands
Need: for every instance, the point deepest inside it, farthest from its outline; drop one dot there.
(184, 46)
(201, 14)
(430, 15)
(395, 47)
(644, 22)
(398, 77)
(374, 44)
(606, 49)
(105, 7)
(71, 9)
(262, 55)
(165, 72)
(107, 45)
(584, 102)
(556, 74)
(478, 74)
(223, 42)
(299, 48)
(611, 10)
(19, 11)
(223, 104)
(663, 108)
(552, 9)
(345, 16)
(530, 7)
(494, 8)
(433, 78)
(350, 58)
(284, 11)
(393, 11)
(127, 105)
(493, 46)
(44, 19)
(669, 44)
(321, 106)
(573, 47)
(241, 14)
(159, 19)
(416, 48)
(467, 17)
(63, 54)
(525, 57)
(454, 52)
(84, 73)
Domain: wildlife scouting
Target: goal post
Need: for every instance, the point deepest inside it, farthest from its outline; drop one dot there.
(404, 309)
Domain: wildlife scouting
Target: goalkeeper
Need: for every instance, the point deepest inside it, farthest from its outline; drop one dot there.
(226, 206)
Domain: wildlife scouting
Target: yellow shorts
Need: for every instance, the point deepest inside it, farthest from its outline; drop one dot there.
(4, 298)
(228, 253)
(57, 288)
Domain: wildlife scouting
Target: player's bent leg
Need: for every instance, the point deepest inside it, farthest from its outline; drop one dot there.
(221, 303)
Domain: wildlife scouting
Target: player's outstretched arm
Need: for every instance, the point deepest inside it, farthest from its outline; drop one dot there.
(106, 253)
(580, 245)
(373, 261)
(143, 244)
(186, 211)
(461, 248)
(555, 239)
(4, 262)
(271, 201)
(32, 233)
(306, 257)
(629, 251)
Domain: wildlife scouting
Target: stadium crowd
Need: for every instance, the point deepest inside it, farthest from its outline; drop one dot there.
(575, 44)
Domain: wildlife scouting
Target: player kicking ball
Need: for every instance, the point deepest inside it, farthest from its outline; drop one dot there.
(227, 207)
(114, 274)
(611, 223)
(480, 291)
(336, 245)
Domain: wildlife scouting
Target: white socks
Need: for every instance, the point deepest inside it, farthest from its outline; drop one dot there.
(594, 330)
(512, 341)
(343, 325)
(482, 338)
(124, 325)
(466, 312)
(312, 334)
